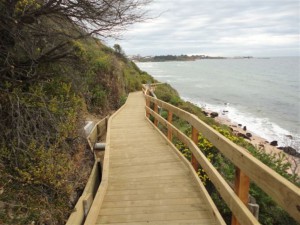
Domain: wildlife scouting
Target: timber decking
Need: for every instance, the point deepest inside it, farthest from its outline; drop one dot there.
(148, 183)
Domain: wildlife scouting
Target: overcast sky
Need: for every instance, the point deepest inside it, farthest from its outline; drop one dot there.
(217, 28)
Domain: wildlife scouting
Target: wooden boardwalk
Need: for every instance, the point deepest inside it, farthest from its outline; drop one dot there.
(145, 180)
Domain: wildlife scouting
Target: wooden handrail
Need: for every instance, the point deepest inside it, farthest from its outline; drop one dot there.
(286, 194)
(98, 130)
(84, 203)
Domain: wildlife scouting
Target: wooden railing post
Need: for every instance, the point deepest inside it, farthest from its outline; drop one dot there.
(148, 105)
(241, 188)
(170, 118)
(194, 161)
(156, 111)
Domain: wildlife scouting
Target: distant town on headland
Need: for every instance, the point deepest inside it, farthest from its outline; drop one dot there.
(164, 58)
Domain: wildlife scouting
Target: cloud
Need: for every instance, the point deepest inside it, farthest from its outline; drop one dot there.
(223, 27)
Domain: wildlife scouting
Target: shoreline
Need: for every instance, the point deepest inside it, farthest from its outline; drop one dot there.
(259, 142)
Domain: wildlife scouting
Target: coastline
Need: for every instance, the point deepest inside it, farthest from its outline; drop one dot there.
(169, 94)
(260, 143)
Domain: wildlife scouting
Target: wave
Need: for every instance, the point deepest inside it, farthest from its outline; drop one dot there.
(262, 127)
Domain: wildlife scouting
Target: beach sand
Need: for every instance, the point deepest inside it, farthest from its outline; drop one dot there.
(261, 143)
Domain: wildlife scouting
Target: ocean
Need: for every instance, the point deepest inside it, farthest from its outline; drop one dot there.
(260, 93)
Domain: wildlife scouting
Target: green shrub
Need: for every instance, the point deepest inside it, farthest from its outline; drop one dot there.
(99, 97)
(102, 64)
(38, 164)
(123, 99)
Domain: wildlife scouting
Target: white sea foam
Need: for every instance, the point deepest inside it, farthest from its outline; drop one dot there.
(262, 127)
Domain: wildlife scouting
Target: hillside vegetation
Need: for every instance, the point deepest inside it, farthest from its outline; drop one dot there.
(54, 72)
(44, 162)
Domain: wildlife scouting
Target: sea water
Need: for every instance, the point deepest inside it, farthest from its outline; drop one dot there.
(260, 93)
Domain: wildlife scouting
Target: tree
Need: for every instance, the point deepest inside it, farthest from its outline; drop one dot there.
(35, 32)
(118, 49)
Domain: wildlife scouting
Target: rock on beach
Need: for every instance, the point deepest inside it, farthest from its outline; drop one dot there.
(274, 143)
(214, 114)
(290, 150)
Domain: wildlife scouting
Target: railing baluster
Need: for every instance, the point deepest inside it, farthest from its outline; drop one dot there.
(194, 161)
(156, 111)
(170, 118)
(241, 188)
(148, 105)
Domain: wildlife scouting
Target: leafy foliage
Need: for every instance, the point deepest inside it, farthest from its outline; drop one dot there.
(38, 147)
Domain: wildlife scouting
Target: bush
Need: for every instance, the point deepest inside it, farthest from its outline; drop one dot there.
(38, 158)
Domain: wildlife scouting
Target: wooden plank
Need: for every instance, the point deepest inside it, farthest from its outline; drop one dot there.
(149, 174)
(84, 202)
(158, 180)
(161, 190)
(151, 202)
(146, 168)
(135, 148)
(143, 161)
(143, 155)
(194, 161)
(203, 221)
(153, 217)
(124, 139)
(286, 194)
(155, 110)
(77, 215)
(98, 130)
(153, 209)
(126, 157)
(241, 188)
(102, 127)
(152, 196)
(87, 203)
(141, 186)
(170, 118)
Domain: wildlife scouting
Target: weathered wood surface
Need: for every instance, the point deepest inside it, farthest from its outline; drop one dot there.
(84, 202)
(146, 181)
(98, 130)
